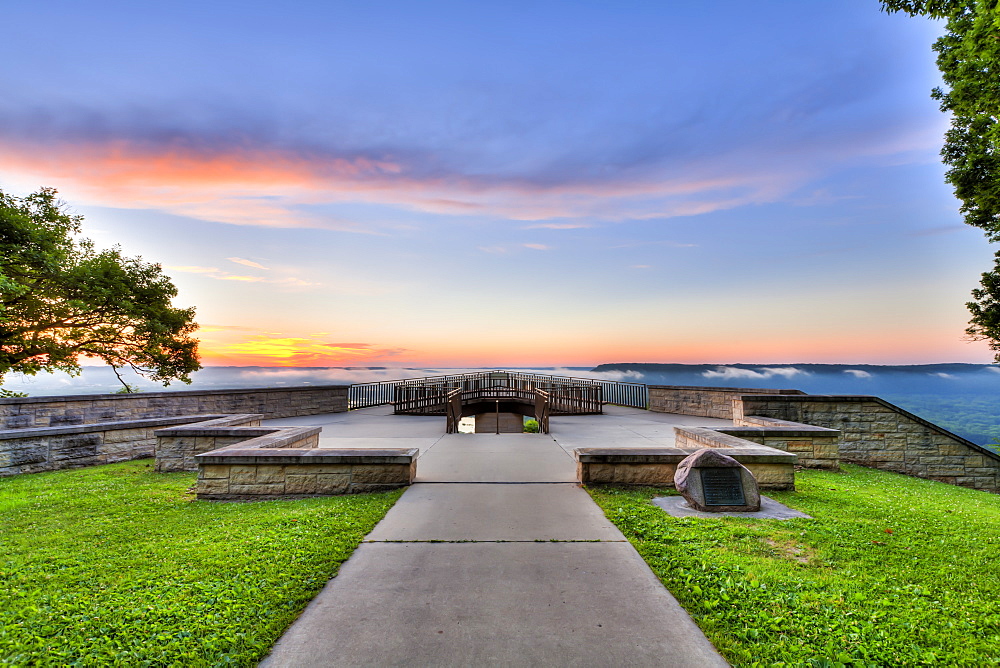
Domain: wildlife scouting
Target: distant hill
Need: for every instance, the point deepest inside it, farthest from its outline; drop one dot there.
(964, 398)
(652, 367)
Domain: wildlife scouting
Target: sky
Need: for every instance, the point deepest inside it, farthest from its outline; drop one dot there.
(468, 184)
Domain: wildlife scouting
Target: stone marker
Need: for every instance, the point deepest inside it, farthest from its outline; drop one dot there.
(713, 482)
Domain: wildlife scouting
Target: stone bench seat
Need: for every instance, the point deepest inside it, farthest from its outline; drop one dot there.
(815, 447)
(773, 468)
(238, 472)
(36, 449)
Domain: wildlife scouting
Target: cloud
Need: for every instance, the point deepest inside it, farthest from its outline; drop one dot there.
(220, 275)
(224, 328)
(187, 269)
(668, 244)
(858, 373)
(640, 266)
(941, 374)
(247, 263)
(540, 247)
(345, 374)
(290, 280)
(787, 372)
(557, 226)
(272, 350)
(493, 250)
(366, 375)
(624, 376)
(762, 373)
(932, 231)
(257, 179)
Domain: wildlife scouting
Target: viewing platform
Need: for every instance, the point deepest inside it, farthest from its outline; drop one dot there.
(273, 442)
(474, 457)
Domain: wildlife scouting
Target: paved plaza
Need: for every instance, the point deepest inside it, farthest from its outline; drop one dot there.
(495, 556)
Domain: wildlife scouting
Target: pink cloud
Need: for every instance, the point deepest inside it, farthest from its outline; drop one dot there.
(271, 187)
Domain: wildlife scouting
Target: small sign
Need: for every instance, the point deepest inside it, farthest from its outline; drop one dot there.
(722, 487)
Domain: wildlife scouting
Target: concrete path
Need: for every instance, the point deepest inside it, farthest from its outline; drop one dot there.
(495, 557)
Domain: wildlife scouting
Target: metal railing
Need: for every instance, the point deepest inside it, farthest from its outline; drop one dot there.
(432, 400)
(634, 395)
(364, 395)
(422, 399)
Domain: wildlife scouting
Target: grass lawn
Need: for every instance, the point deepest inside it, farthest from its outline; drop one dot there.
(119, 565)
(892, 570)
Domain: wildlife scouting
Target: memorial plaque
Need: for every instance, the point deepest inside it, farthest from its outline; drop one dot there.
(712, 481)
(722, 486)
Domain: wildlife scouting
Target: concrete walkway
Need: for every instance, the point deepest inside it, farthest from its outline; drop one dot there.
(495, 557)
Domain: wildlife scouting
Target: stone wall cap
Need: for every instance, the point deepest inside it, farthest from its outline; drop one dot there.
(728, 390)
(715, 435)
(824, 397)
(33, 432)
(247, 432)
(760, 455)
(308, 456)
(168, 393)
(797, 430)
(216, 424)
(270, 438)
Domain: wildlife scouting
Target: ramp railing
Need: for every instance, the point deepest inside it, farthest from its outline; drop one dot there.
(364, 395)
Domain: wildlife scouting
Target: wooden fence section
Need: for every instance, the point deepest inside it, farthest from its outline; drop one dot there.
(543, 409)
(364, 395)
(423, 400)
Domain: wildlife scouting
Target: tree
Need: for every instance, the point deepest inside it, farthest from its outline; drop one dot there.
(969, 60)
(61, 299)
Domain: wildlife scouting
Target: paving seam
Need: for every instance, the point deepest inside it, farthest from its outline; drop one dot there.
(490, 482)
(538, 540)
(429, 448)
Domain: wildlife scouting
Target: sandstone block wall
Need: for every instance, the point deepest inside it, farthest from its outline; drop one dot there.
(714, 402)
(816, 447)
(249, 477)
(656, 467)
(53, 448)
(176, 447)
(878, 434)
(27, 412)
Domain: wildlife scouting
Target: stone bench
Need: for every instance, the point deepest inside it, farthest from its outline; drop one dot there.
(37, 449)
(237, 459)
(176, 447)
(239, 472)
(816, 447)
(773, 468)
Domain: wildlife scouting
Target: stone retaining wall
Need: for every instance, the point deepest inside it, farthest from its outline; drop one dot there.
(237, 473)
(878, 434)
(58, 411)
(51, 448)
(716, 402)
(655, 467)
(177, 446)
(816, 447)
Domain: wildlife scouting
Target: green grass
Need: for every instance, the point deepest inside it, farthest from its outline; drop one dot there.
(892, 570)
(118, 565)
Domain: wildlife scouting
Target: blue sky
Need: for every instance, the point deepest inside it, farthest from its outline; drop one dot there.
(468, 183)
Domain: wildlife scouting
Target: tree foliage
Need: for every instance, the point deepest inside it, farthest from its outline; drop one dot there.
(969, 60)
(62, 299)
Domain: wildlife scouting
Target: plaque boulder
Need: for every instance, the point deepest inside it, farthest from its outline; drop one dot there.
(713, 482)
